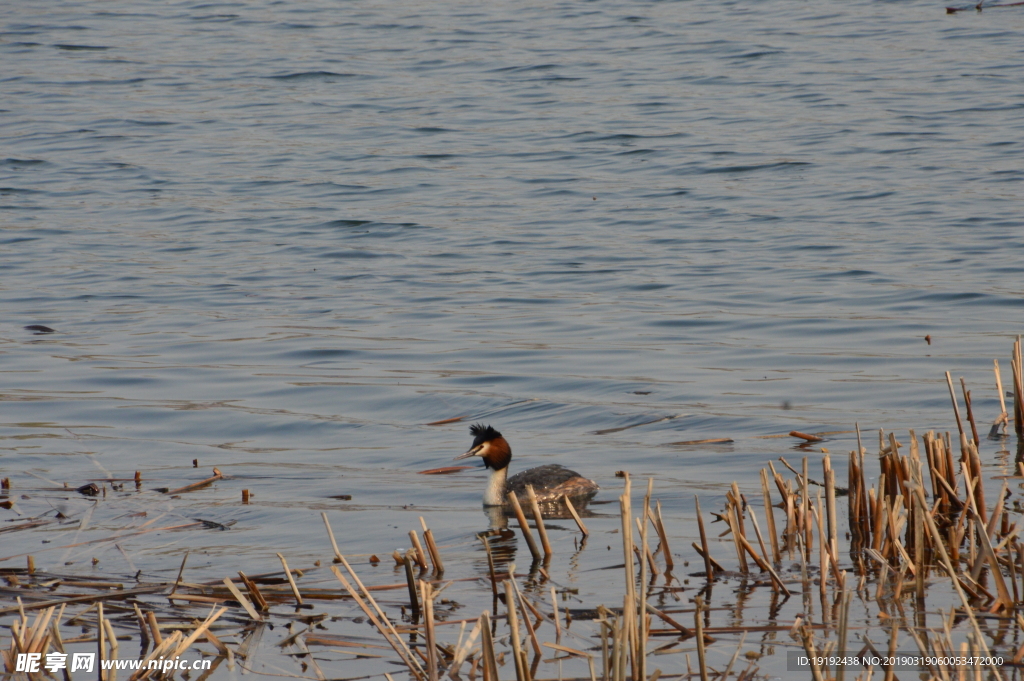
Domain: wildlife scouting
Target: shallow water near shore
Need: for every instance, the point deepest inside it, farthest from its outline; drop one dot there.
(280, 239)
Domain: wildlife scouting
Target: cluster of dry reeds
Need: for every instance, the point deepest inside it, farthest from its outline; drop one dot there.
(926, 510)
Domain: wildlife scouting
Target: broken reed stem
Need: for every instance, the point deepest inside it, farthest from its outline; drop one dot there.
(698, 622)
(177, 580)
(490, 664)
(970, 411)
(154, 628)
(554, 615)
(807, 638)
(330, 533)
(705, 553)
(526, 608)
(100, 635)
(625, 512)
(666, 552)
(428, 616)
(522, 671)
(538, 519)
(575, 516)
(421, 556)
(770, 517)
(641, 646)
(291, 580)
(999, 389)
(1018, 390)
(956, 409)
(435, 555)
(521, 517)
(242, 600)
(490, 566)
(414, 601)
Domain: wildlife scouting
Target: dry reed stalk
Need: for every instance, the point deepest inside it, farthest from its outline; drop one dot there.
(576, 516)
(428, 616)
(181, 570)
(741, 505)
(217, 475)
(291, 580)
(554, 614)
(410, 580)
(421, 555)
(490, 664)
(154, 628)
(538, 520)
(988, 554)
(518, 656)
(1018, 390)
(807, 638)
(705, 553)
(490, 566)
(714, 563)
(625, 513)
(330, 533)
(779, 482)
(956, 409)
(526, 608)
(647, 559)
(698, 622)
(242, 600)
(527, 535)
(770, 517)
(435, 555)
(805, 511)
(830, 497)
(254, 591)
(1003, 416)
(764, 564)
(970, 412)
(979, 482)
(58, 643)
(737, 536)
(644, 626)
(659, 525)
(685, 631)
(388, 631)
(823, 557)
(757, 530)
(844, 622)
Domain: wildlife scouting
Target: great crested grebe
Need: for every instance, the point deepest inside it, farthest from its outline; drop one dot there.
(550, 483)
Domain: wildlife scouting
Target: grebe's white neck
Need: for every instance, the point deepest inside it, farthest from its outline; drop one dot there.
(495, 493)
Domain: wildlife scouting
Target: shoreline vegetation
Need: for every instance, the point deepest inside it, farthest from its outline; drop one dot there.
(930, 558)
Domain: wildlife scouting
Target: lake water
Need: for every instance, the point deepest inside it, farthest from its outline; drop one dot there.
(281, 237)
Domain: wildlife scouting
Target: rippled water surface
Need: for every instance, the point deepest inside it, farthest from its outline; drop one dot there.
(282, 237)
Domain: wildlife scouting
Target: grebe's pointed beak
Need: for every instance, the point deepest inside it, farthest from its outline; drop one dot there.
(473, 452)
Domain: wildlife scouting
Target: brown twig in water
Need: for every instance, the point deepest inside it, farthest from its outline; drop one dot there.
(217, 475)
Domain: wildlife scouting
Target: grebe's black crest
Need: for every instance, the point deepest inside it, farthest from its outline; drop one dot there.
(482, 434)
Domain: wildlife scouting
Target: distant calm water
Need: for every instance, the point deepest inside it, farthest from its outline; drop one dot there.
(280, 237)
